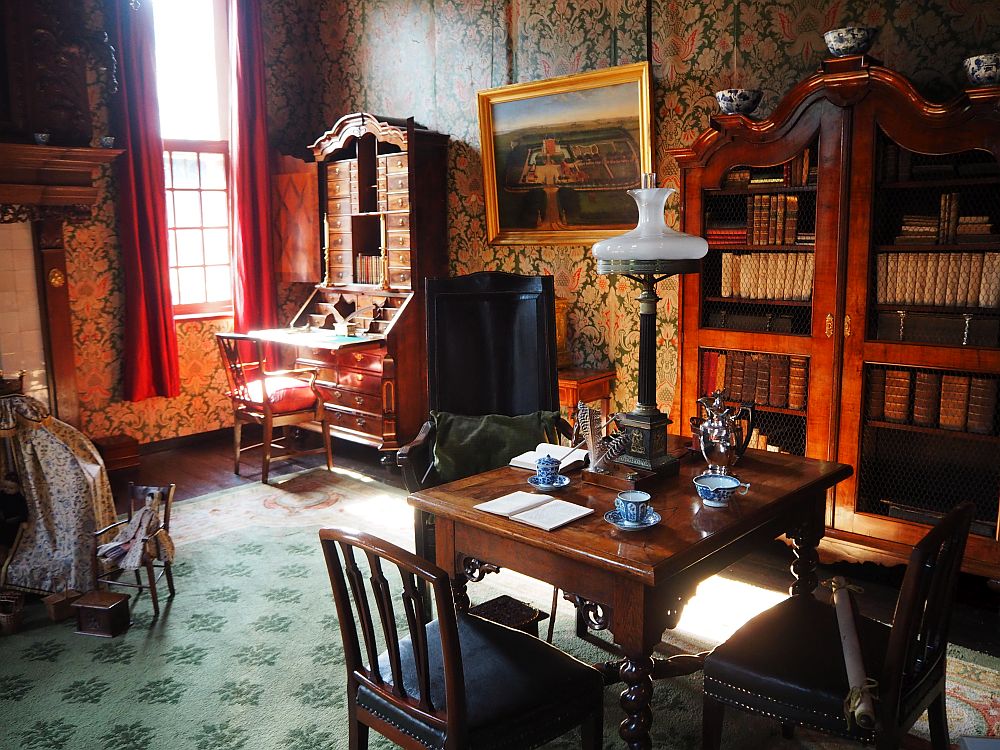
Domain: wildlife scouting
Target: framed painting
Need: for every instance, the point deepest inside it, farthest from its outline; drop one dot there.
(560, 154)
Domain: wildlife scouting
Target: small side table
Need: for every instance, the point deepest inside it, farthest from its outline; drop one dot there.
(579, 384)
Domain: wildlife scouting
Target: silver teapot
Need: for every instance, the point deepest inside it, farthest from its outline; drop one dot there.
(725, 433)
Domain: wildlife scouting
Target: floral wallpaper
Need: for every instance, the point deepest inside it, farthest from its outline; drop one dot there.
(427, 58)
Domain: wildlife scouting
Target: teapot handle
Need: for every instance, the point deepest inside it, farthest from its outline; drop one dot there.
(751, 410)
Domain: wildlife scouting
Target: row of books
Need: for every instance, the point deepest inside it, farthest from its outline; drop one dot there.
(368, 269)
(951, 402)
(947, 227)
(772, 219)
(767, 276)
(775, 443)
(797, 172)
(939, 279)
(765, 379)
(898, 164)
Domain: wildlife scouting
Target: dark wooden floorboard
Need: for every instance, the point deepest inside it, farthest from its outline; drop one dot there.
(204, 466)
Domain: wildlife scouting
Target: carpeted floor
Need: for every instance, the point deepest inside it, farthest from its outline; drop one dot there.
(248, 654)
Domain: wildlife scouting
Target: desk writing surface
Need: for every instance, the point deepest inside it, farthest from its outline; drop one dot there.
(687, 534)
(316, 338)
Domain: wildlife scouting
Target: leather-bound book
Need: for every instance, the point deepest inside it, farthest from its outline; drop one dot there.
(930, 280)
(876, 394)
(954, 273)
(972, 300)
(881, 278)
(982, 405)
(892, 278)
(954, 401)
(763, 390)
(720, 372)
(709, 365)
(798, 374)
(897, 395)
(926, 398)
(779, 381)
(726, 288)
(941, 279)
(750, 367)
(964, 279)
(737, 360)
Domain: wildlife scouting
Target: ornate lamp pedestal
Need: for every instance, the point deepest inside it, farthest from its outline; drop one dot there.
(646, 425)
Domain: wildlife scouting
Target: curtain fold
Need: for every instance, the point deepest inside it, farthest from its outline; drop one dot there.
(150, 346)
(254, 296)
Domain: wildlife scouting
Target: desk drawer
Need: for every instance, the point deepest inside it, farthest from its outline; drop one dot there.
(340, 206)
(354, 421)
(393, 183)
(338, 188)
(339, 275)
(392, 163)
(397, 221)
(340, 258)
(399, 277)
(321, 358)
(338, 223)
(360, 381)
(394, 202)
(336, 170)
(352, 400)
(340, 242)
(399, 259)
(369, 361)
(398, 240)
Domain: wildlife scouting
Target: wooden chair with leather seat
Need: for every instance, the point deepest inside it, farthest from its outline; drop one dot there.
(155, 569)
(270, 398)
(458, 681)
(787, 663)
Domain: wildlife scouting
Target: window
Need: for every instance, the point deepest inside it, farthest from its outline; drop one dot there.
(192, 77)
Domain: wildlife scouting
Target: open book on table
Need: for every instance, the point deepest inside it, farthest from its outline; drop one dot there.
(569, 458)
(543, 511)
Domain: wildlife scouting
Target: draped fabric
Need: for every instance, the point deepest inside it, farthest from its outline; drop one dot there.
(254, 297)
(65, 484)
(150, 352)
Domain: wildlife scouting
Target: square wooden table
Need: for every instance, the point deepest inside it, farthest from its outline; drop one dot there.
(635, 584)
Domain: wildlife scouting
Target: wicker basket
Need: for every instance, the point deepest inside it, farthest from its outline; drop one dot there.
(60, 604)
(11, 612)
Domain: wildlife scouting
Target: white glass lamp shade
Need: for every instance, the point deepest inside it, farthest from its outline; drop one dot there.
(652, 243)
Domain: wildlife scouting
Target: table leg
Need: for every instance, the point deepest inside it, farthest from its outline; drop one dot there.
(635, 700)
(458, 590)
(805, 539)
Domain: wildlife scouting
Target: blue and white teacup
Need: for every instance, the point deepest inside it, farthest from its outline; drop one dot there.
(546, 470)
(738, 101)
(983, 70)
(849, 40)
(716, 489)
(632, 506)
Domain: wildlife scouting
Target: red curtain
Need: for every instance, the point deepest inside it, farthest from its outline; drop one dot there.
(150, 340)
(254, 297)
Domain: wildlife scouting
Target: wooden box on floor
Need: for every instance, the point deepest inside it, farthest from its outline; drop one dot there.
(102, 613)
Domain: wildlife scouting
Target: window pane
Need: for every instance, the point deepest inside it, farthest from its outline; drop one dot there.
(215, 207)
(185, 169)
(217, 247)
(166, 168)
(191, 285)
(173, 286)
(170, 208)
(213, 171)
(172, 247)
(189, 247)
(187, 204)
(219, 284)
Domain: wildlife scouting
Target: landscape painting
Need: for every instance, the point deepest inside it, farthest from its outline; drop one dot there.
(559, 156)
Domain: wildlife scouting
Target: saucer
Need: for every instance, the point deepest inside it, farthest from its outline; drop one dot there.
(561, 481)
(615, 518)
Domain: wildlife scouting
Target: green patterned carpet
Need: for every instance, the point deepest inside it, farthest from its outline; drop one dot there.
(248, 654)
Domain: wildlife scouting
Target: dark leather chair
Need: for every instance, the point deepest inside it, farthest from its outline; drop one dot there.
(787, 663)
(455, 682)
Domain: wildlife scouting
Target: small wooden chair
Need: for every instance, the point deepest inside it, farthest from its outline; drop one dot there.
(787, 663)
(456, 682)
(155, 569)
(270, 398)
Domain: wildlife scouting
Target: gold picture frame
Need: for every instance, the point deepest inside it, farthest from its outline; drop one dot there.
(559, 154)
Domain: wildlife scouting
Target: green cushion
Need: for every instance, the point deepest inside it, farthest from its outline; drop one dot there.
(467, 445)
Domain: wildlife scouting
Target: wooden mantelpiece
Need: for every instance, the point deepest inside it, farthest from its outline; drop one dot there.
(50, 175)
(49, 185)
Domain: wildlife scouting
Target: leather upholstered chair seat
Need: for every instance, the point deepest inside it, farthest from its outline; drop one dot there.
(797, 673)
(519, 690)
(284, 394)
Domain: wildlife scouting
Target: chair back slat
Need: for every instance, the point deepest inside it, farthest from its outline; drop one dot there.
(347, 580)
(414, 605)
(356, 579)
(387, 616)
(917, 644)
(234, 349)
(137, 499)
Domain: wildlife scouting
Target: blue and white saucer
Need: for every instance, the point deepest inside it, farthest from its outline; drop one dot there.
(615, 519)
(561, 481)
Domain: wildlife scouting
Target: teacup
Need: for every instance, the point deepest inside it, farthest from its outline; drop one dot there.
(546, 470)
(632, 505)
(107, 141)
(716, 489)
(738, 101)
(849, 40)
(42, 139)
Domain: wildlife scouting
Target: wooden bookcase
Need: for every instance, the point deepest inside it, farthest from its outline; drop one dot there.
(898, 203)
(382, 197)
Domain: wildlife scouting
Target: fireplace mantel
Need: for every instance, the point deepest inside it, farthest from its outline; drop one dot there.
(50, 176)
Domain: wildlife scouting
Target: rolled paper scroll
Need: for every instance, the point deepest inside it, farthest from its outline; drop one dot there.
(858, 705)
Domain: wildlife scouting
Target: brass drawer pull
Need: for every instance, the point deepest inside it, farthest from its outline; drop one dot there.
(360, 421)
(829, 325)
(358, 400)
(847, 326)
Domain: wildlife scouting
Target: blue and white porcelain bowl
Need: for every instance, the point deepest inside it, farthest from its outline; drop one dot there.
(850, 40)
(738, 101)
(716, 489)
(983, 70)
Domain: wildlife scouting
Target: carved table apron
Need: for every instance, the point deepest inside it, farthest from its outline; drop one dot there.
(635, 584)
